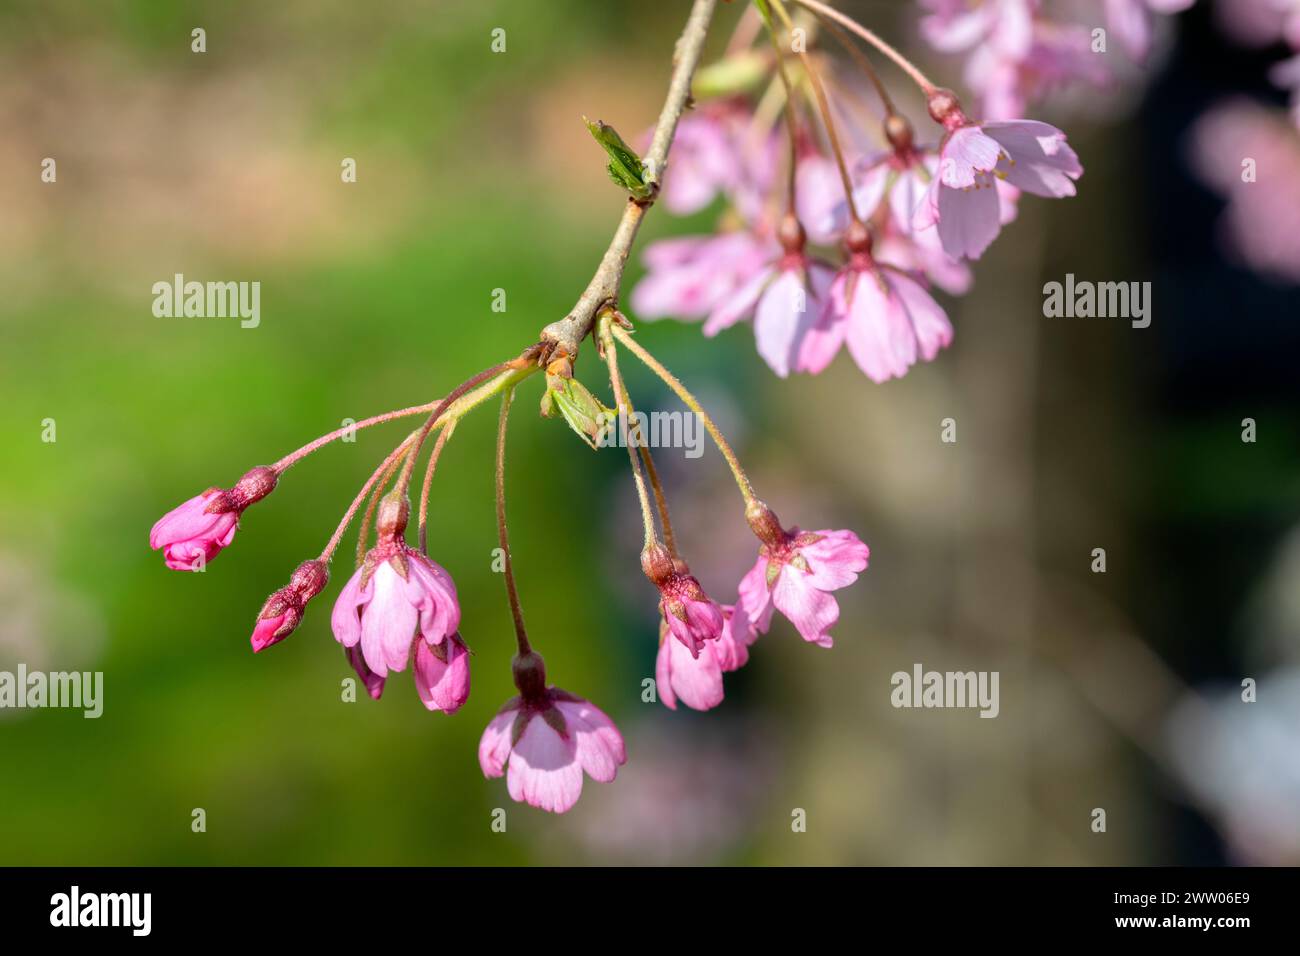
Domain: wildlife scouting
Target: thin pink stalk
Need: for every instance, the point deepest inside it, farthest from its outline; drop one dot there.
(291, 459)
(906, 65)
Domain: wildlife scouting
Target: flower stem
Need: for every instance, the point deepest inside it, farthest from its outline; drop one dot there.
(521, 635)
(396, 453)
(863, 61)
(906, 65)
(624, 403)
(690, 401)
(291, 459)
(824, 107)
(404, 480)
(366, 519)
(444, 436)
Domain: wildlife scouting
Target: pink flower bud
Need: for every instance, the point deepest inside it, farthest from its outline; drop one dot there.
(194, 533)
(283, 610)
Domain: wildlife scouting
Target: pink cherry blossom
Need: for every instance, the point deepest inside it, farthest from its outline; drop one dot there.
(885, 317)
(964, 201)
(544, 746)
(795, 574)
(442, 673)
(395, 591)
(687, 278)
(697, 680)
(784, 299)
(195, 532)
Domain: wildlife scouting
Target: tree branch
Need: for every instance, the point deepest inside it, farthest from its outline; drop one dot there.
(565, 336)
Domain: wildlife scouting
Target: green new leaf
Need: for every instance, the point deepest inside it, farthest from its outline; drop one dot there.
(625, 166)
(584, 412)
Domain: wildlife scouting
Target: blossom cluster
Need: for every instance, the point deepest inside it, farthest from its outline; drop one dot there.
(831, 244)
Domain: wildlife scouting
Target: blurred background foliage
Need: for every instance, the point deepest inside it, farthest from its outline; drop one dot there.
(476, 173)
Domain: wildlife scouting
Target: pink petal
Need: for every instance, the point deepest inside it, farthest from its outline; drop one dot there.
(755, 599)
(878, 332)
(966, 153)
(388, 622)
(544, 771)
(432, 592)
(813, 612)
(836, 559)
(969, 220)
(695, 681)
(346, 617)
(929, 321)
(494, 745)
(599, 745)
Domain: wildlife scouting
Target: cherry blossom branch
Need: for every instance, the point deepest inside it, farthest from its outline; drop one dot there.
(566, 335)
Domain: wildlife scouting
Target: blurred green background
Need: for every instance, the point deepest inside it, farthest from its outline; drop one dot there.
(476, 173)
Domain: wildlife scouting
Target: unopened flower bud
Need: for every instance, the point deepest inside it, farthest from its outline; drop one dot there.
(283, 610)
(309, 579)
(253, 487)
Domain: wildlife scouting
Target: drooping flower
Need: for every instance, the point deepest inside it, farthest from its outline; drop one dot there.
(784, 298)
(396, 592)
(964, 201)
(697, 680)
(283, 610)
(195, 532)
(545, 738)
(885, 317)
(795, 574)
(688, 613)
